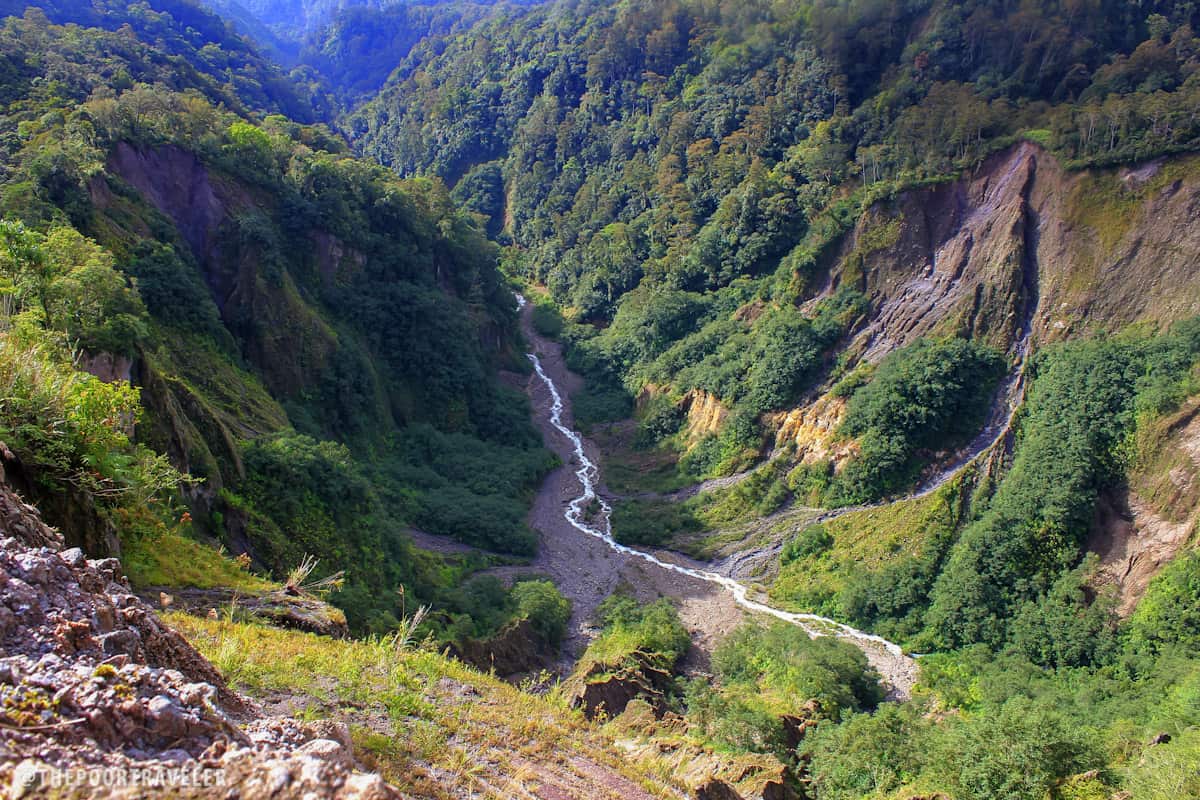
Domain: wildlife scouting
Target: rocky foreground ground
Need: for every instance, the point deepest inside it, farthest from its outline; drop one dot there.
(100, 698)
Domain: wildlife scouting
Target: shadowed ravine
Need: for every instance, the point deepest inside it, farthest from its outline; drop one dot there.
(896, 668)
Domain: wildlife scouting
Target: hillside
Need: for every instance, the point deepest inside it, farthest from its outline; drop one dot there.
(301, 390)
(790, 401)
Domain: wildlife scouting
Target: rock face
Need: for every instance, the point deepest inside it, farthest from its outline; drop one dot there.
(94, 688)
(278, 608)
(811, 430)
(1020, 238)
(705, 415)
(607, 689)
(514, 649)
(71, 510)
(205, 209)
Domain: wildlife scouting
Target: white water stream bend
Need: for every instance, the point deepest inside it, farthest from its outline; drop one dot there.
(588, 475)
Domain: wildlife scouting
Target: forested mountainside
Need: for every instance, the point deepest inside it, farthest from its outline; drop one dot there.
(310, 338)
(886, 312)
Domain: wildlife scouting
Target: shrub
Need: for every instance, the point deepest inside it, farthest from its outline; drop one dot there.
(1040, 748)
(929, 395)
(543, 604)
(812, 541)
(546, 320)
(654, 630)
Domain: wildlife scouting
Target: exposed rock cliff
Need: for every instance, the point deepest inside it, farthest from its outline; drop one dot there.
(1021, 236)
(1017, 247)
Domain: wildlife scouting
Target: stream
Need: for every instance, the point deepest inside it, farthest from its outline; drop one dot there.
(588, 474)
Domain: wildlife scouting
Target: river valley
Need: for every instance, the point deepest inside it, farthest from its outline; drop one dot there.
(571, 517)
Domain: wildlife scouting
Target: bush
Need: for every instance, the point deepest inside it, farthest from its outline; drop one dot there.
(768, 673)
(1080, 409)
(543, 605)
(782, 661)
(812, 541)
(1040, 748)
(1169, 614)
(652, 523)
(546, 320)
(867, 754)
(929, 395)
(629, 627)
(597, 404)
(70, 429)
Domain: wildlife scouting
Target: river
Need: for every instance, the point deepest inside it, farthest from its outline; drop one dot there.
(897, 668)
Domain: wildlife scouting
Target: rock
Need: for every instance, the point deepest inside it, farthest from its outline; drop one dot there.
(120, 690)
(325, 750)
(164, 718)
(278, 779)
(609, 688)
(280, 609)
(361, 786)
(27, 778)
(715, 789)
(515, 648)
(796, 726)
(125, 641)
(331, 729)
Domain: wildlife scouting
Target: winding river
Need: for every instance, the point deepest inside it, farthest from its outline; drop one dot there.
(588, 475)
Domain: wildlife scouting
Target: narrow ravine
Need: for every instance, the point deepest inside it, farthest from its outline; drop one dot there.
(896, 668)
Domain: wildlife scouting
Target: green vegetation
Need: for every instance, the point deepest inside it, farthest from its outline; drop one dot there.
(652, 523)
(683, 218)
(1082, 407)
(542, 604)
(928, 396)
(873, 567)
(483, 605)
(767, 675)
(400, 701)
(204, 54)
(633, 633)
(168, 558)
(315, 340)
(1087, 725)
(1168, 615)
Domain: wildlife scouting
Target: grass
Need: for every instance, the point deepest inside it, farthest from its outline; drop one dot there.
(170, 559)
(653, 522)
(1163, 471)
(867, 540)
(424, 721)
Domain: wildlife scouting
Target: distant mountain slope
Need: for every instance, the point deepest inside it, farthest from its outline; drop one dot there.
(310, 335)
(187, 38)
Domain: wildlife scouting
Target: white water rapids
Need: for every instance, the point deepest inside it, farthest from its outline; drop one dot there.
(588, 474)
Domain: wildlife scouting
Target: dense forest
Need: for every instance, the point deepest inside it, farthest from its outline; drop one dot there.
(309, 397)
(713, 196)
(914, 282)
(658, 166)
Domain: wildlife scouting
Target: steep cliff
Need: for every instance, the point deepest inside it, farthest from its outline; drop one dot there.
(1016, 254)
(1021, 238)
